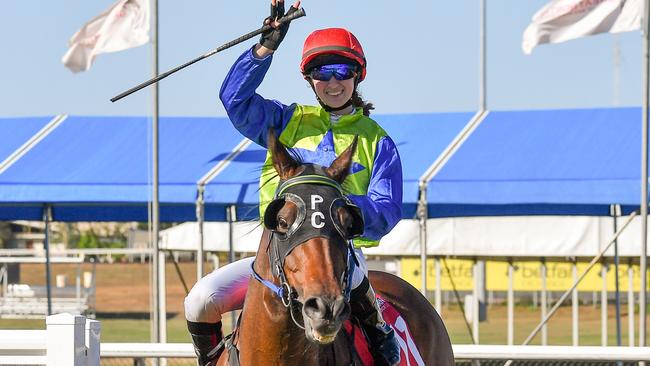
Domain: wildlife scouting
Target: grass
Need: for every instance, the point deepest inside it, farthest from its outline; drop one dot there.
(493, 331)
(123, 301)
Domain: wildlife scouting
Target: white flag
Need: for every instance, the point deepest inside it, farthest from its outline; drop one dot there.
(562, 20)
(122, 26)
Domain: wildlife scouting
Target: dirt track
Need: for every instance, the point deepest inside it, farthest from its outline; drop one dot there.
(121, 287)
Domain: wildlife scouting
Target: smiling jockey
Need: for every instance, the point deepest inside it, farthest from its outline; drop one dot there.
(333, 63)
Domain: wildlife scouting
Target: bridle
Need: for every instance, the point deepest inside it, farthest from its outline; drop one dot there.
(321, 189)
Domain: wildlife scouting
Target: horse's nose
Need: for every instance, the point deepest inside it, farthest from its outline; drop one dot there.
(319, 308)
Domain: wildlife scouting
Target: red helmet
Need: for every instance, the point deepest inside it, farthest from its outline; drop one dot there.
(333, 41)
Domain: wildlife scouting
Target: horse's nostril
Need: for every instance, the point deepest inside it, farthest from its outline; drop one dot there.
(328, 310)
(316, 308)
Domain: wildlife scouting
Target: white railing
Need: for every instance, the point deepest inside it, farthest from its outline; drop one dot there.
(551, 353)
(147, 350)
(68, 340)
(74, 340)
(461, 352)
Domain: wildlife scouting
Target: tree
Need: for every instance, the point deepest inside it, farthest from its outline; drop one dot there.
(5, 234)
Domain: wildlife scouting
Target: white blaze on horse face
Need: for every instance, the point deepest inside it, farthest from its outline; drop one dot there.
(315, 200)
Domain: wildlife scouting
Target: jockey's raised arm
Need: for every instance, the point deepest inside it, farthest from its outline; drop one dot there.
(253, 116)
(333, 64)
(249, 112)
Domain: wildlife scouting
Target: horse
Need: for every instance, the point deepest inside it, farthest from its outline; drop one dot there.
(297, 298)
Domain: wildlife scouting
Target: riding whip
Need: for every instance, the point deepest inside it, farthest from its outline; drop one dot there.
(295, 15)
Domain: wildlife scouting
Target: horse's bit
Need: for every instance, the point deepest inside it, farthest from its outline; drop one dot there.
(311, 221)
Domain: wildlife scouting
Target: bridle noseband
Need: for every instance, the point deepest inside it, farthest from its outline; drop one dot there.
(321, 191)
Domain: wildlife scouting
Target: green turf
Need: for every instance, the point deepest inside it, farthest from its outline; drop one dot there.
(492, 331)
(119, 330)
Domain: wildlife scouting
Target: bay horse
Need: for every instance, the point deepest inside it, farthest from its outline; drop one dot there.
(297, 298)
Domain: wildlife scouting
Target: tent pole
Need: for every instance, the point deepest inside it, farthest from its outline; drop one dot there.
(644, 178)
(422, 216)
(630, 302)
(615, 210)
(200, 218)
(47, 217)
(232, 217)
(200, 201)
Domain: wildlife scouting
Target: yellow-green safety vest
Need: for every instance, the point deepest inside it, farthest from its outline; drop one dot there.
(306, 129)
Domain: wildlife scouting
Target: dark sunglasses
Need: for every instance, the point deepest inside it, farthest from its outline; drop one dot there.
(339, 71)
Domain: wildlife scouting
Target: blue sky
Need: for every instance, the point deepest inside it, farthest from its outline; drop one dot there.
(423, 56)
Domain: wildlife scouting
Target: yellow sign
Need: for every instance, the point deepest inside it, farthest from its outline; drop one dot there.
(460, 270)
(527, 275)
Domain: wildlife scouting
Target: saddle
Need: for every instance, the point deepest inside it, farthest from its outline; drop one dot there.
(409, 352)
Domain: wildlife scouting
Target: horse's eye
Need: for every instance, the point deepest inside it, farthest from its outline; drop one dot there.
(283, 226)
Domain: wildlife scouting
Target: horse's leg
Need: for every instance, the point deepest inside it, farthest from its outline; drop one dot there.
(426, 326)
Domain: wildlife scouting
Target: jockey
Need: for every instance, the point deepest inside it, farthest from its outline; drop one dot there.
(333, 64)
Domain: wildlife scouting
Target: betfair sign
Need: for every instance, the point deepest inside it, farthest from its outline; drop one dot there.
(527, 275)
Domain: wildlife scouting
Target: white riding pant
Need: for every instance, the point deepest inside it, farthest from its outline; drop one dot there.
(224, 289)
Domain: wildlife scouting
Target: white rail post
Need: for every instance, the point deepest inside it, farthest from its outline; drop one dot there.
(66, 341)
(543, 302)
(511, 304)
(603, 304)
(575, 307)
(475, 303)
(630, 303)
(438, 287)
(93, 331)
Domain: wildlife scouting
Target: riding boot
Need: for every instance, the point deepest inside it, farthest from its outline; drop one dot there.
(207, 340)
(381, 336)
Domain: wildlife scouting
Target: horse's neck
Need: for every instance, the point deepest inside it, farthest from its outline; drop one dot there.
(268, 335)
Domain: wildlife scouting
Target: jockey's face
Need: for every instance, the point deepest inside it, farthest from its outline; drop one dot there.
(334, 93)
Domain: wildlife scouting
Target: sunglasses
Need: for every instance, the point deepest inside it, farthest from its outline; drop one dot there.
(339, 71)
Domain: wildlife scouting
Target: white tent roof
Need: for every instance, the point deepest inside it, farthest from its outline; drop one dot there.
(518, 236)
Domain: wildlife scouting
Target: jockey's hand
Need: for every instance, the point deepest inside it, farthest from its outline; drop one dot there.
(272, 38)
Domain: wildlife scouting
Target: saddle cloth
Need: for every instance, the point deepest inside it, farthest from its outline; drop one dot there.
(409, 352)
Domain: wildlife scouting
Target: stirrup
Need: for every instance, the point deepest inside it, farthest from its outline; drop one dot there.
(384, 347)
(203, 337)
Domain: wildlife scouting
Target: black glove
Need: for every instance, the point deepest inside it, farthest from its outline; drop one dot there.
(272, 38)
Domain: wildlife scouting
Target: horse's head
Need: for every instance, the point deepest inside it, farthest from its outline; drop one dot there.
(312, 223)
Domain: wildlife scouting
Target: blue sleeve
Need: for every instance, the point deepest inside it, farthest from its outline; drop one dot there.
(382, 206)
(251, 114)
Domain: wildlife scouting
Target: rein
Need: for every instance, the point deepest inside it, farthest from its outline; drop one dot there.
(287, 294)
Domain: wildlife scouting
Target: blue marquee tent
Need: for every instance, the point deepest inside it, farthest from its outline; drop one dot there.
(546, 162)
(98, 169)
(514, 163)
(420, 139)
(17, 131)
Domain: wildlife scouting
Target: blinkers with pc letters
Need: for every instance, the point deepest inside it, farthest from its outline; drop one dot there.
(318, 214)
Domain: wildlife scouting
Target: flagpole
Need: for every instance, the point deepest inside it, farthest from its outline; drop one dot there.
(479, 273)
(644, 177)
(482, 40)
(155, 219)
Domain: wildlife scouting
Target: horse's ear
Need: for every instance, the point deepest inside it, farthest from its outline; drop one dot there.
(283, 162)
(340, 167)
